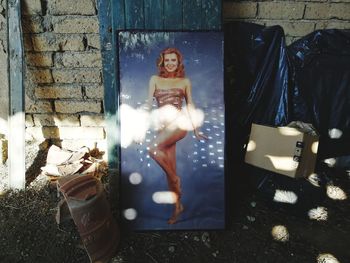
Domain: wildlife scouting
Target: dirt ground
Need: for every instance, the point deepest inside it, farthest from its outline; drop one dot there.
(29, 233)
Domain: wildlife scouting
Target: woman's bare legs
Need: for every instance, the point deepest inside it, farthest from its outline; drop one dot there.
(163, 151)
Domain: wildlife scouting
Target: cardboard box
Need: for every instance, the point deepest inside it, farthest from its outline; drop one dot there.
(284, 150)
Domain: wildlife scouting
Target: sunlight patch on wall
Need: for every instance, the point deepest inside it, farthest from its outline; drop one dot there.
(283, 196)
(135, 178)
(130, 214)
(280, 233)
(336, 193)
(335, 133)
(327, 258)
(251, 146)
(320, 213)
(165, 197)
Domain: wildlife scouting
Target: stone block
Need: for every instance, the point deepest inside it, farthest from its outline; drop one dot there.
(42, 59)
(31, 7)
(297, 28)
(94, 91)
(93, 41)
(280, 10)
(88, 75)
(68, 7)
(58, 120)
(57, 42)
(78, 106)
(81, 133)
(239, 10)
(32, 24)
(58, 92)
(75, 24)
(39, 75)
(38, 107)
(92, 120)
(78, 59)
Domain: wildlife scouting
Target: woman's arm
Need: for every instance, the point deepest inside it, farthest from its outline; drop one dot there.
(151, 89)
(191, 109)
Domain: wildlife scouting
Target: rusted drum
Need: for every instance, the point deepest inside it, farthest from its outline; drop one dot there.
(92, 215)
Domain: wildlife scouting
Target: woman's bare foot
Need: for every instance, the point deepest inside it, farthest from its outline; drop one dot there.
(178, 210)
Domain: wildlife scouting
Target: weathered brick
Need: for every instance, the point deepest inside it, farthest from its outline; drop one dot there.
(327, 11)
(75, 24)
(58, 92)
(77, 75)
(68, 7)
(56, 120)
(94, 91)
(34, 133)
(77, 106)
(27, 42)
(57, 42)
(341, 11)
(78, 59)
(40, 75)
(81, 133)
(93, 41)
(333, 24)
(92, 120)
(29, 120)
(32, 24)
(38, 107)
(239, 10)
(298, 28)
(280, 10)
(39, 59)
(31, 7)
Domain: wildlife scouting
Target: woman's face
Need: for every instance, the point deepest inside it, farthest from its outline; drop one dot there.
(170, 62)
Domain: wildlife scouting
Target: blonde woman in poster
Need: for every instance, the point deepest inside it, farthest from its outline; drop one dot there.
(171, 88)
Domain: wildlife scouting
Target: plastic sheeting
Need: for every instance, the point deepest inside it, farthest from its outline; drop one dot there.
(270, 83)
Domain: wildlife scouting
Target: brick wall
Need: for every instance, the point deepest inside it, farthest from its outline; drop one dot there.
(64, 93)
(297, 17)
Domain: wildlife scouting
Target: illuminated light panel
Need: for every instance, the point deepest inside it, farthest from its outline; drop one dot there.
(335, 193)
(165, 197)
(135, 178)
(288, 131)
(130, 214)
(283, 196)
(319, 213)
(280, 233)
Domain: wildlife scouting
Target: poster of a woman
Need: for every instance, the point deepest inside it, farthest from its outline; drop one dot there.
(172, 129)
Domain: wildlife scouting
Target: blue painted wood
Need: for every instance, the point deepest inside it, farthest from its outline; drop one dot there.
(118, 14)
(211, 14)
(192, 18)
(154, 12)
(173, 14)
(111, 94)
(134, 14)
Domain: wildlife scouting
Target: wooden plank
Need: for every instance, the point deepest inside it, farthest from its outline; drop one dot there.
(192, 18)
(134, 14)
(17, 112)
(211, 14)
(173, 14)
(154, 14)
(118, 14)
(111, 92)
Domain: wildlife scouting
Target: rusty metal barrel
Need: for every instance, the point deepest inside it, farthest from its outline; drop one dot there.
(92, 215)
